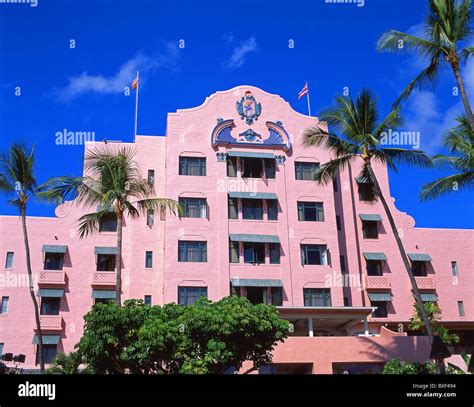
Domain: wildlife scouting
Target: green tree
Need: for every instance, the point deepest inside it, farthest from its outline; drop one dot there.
(396, 366)
(17, 179)
(206, 337)
(434, 315)
(113, 183)
(446, 26)
(67, 364)
(460, 142)
(360, 137)
(108, 343)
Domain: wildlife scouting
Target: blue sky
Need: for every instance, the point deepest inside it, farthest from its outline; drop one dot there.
(226, 44)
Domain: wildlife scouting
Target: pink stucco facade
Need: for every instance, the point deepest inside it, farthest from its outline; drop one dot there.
(326, 335)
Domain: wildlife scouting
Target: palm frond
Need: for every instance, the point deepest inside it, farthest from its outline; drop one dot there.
(343, 117)
(7, 173)
(447, 185)
(59, 189)
(425, 79)
(392, 156)
(316, 137)
(90, 192)
(110, 198)
(139, 188)
(17, 166)
(6, 185)
(441, 160)
(329, 170)
(15, 202)
(130, 210)
(169, 205)
(460, 139)
(366, 107)
(396, 41)
(89, 223)
(392, 121)
(107, 161)
(355, 120)
(465, 53)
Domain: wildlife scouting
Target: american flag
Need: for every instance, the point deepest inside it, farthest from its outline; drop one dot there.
(135, 83)
(304, 91)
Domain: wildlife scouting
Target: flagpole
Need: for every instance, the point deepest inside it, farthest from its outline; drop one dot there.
(136, 105)
(307, 97)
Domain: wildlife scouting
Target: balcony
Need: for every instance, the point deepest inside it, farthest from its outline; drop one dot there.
(52, 277)
(104, 278)
(51, 322)
(425, 283)
(377, 283)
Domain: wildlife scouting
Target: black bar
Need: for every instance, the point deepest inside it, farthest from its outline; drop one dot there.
(455, 389)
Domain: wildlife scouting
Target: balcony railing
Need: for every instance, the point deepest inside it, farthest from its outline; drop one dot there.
(51, 322)
(104, 278)
(377, 282)
(425, 283)
(52, 277)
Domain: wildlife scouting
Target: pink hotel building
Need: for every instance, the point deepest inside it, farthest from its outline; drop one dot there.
(256, 225)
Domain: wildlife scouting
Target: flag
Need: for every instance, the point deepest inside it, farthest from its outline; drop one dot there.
(135, 83)
(304, 91)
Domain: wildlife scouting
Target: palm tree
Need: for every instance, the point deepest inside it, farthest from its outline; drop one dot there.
(114, 184)
(460, 142)
(361, 139)
(434, 315)
(17, 179)
(447, 24)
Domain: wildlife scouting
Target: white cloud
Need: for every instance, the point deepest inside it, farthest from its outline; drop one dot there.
(467, 72)
(417, 61)
(86, 83)
(424, 115)
(228, 38)
(240, 52)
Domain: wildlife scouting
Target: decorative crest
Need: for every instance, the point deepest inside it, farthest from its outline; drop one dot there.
(248, 108)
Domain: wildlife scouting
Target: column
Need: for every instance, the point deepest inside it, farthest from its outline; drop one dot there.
(310, 326)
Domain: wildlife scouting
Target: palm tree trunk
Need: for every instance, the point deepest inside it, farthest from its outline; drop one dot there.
(415, 290)
(465, 102)
(31, 287)
(118, 262)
